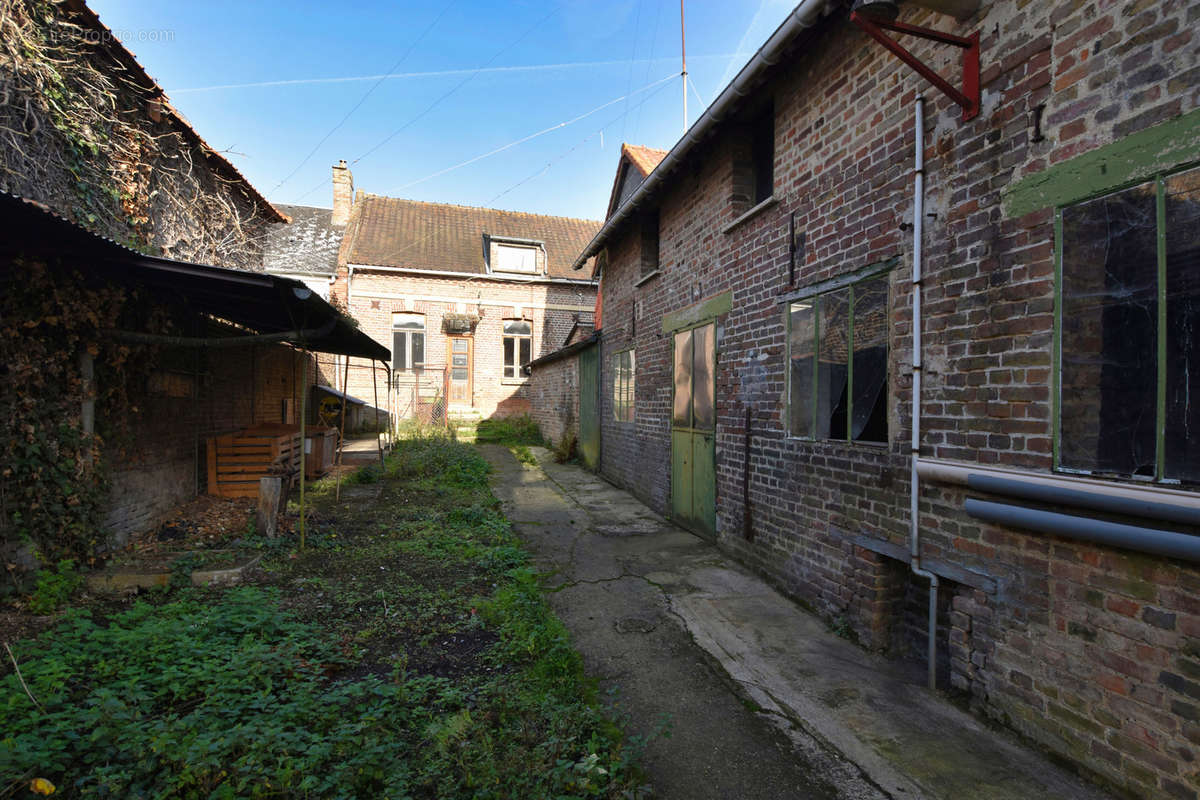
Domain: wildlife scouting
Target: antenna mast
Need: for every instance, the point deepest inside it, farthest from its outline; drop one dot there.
(683, 49)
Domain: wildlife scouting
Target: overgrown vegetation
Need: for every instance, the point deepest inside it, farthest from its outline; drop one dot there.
(52, 474)
(509, 431)
(411, 655)
(564, 450)
(55, 587)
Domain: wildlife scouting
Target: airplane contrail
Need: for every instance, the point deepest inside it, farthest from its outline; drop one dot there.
(431, 74)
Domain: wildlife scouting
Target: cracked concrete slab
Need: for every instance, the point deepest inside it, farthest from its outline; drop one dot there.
(762, 700)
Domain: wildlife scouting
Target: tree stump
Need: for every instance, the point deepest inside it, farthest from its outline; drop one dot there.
(270, 489)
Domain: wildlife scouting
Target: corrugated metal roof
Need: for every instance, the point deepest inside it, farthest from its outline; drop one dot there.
(265, 304)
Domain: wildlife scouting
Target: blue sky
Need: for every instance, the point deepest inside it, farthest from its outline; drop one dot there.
(467, 77)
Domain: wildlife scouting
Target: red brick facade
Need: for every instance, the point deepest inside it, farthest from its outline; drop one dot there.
(551, 307)
(1092, 652)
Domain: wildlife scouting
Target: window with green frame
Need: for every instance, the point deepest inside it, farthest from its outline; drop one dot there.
(838, 359)
(623, 385)
(1127, 332)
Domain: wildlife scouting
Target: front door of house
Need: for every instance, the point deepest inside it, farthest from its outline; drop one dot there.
(459, 355)
(693, 429)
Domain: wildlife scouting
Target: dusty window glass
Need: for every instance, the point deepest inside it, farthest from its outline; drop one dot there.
(1109, 334)
(703, 358)
(800, 370)
(682, 415)
(623, 386)
(837, 363)
(515, 258)
(833, 362)
(869, 390)
(1182, 435)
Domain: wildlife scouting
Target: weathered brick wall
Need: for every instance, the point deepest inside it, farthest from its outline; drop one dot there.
(1088, 650)
(551, 308)
(554, 397)
(163, 462)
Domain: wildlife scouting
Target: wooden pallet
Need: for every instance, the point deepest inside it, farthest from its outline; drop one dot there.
(237, 461)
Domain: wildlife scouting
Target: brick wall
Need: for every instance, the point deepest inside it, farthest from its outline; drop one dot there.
(211, 392)
(552, 309)
(554, 397)
(1088, 650)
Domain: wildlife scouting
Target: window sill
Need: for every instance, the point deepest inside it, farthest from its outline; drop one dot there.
(881, 446)
(514, 381)
(646, 278)
(753, 212)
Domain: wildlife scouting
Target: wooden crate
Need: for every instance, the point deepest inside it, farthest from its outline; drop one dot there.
(321, 450)
(237, 461)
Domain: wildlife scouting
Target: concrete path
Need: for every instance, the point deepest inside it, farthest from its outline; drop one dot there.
(760, 699)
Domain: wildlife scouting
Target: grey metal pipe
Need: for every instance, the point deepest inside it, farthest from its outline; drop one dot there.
(1113, 504)
(914, 476)
(1131, 537)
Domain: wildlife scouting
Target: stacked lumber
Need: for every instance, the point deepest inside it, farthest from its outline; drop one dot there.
(237, 461)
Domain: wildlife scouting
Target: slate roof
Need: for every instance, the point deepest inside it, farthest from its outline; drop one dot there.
(308, 244)
(392, 232)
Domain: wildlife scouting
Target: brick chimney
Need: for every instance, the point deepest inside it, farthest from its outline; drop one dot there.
(343, 193)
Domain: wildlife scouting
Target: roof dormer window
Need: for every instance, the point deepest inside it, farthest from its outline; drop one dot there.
(515, 258)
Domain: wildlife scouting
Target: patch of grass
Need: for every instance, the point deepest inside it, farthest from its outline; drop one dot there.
(54, 587)
(509, 431)
(564, 450)
(416, 657)
(524, 455)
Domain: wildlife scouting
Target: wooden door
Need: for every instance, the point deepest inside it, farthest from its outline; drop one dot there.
(589, 414)
(460, 356)
(693, 429)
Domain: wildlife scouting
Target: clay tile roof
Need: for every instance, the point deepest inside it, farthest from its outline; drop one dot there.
(391, 232)
(644, 158)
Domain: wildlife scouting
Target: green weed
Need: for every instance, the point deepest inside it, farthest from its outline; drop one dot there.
(509, 431)
(54, 587)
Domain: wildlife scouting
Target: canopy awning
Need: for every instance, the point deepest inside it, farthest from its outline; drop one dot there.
(261, 303)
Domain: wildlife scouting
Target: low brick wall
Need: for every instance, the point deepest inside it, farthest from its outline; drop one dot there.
(554, 397)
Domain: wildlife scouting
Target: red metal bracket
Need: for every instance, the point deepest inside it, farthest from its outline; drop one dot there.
(969, 97)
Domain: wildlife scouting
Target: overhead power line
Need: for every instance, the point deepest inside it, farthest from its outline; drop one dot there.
(542, 132)
(364, 97)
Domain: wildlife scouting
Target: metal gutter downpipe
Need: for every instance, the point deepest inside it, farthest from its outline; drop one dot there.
(914, 477)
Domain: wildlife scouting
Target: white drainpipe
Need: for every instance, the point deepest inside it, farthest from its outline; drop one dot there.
(914, 477)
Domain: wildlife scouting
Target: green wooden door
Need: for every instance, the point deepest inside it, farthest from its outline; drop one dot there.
(693, 429)
(589, 414)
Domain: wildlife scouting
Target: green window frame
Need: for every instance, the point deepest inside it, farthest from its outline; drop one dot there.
(1126, 312)
(624, 385)
(836, 382)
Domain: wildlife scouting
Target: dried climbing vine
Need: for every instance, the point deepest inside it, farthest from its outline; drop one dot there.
(79, 133)
(52, 473)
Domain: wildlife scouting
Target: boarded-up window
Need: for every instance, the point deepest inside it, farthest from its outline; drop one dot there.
(837, 363)
(1128, 315)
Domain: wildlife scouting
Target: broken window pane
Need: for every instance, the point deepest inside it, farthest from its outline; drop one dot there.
(1109, 334)
(800, 377)
(869, 407)
(833, 364)
(703, 358)
(682, 417)
(1183, 326)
